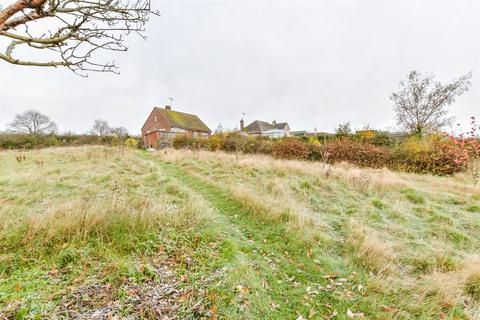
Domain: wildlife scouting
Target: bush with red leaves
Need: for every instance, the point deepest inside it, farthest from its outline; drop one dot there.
(292, 149)
(359, 153)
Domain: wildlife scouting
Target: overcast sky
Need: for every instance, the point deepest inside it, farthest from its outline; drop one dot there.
(311, 63)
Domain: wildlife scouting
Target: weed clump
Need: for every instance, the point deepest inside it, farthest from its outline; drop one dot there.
(472, 286)
(377, 203)
(473, 208)
(413, 196)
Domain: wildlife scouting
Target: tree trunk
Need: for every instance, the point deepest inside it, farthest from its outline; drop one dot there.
(16, 7)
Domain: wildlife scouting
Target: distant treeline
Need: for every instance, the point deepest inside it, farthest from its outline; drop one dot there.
(10, 141)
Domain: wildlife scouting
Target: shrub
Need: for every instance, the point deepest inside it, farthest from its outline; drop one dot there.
(433, 154)
(25, 141)
(215, 142)
(291, 148)
(316, 152)
(359, 153)
(131, 142)
(234, 142)
(181, 141)
(257, 146)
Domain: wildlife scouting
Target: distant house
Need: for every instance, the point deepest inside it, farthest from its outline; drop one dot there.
(305, 133)
(163, 124)
(265, 129)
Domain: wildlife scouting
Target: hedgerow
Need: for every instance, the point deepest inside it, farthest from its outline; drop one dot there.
(432, 154)
(11, 141)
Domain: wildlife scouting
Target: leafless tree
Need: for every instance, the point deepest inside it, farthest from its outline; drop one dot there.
(119, 132)
(100, 128)
(343, 129)
(421, 103)
(71, 31)
(32, 122)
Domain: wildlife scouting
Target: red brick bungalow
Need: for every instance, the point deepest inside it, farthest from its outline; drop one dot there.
(163, 124)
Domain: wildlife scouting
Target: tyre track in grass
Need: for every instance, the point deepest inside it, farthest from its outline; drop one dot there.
(283, 280)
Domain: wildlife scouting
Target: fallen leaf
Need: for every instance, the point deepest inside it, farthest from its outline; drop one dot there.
(264, 284)
(214, 312)
(242, 289)
(350, 314)
(388, 309)
(244, 305)
(53, 272)
(132, 292)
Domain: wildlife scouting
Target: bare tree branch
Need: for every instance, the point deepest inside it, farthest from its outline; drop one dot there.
(71, 31)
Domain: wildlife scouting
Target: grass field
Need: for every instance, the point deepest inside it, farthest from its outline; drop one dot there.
(86, 233)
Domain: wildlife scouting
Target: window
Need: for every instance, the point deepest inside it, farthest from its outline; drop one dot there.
(155, 119)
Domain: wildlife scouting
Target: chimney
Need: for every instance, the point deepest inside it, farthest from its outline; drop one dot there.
(168, 108)
(242, 125)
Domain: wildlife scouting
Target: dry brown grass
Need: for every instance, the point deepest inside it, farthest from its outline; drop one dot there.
(73, 203)
(368, 179)
(367, 250)
(372, 178)
(454, 286)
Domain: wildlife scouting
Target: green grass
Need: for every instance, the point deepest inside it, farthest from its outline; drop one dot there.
(414, 196)
(255, 238)
(474, 208)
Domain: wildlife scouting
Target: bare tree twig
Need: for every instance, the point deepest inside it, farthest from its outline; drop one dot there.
(72, 31)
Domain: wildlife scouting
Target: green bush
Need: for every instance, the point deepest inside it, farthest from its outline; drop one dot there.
(182, 141)
(215, 142)
(257, 145)
(12, 141)
(234, 142)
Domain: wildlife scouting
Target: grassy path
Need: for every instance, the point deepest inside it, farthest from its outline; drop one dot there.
(273, 273)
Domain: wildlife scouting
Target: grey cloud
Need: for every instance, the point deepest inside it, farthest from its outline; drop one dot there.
(311, 63)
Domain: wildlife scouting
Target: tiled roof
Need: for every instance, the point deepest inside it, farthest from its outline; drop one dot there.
(184, 120)
(262, 126)
(281, 126)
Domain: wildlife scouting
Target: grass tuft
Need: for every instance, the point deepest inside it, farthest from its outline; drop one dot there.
(414, 196)
(474, 208)
(366, 248)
